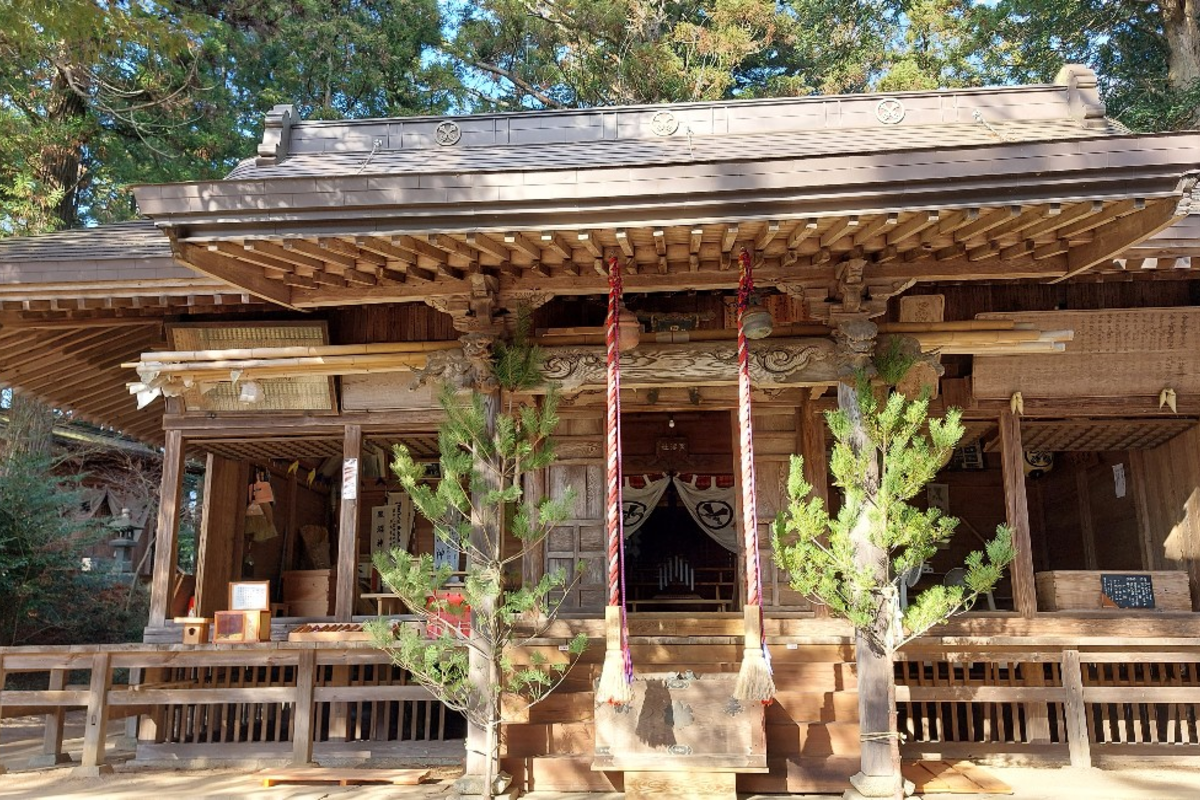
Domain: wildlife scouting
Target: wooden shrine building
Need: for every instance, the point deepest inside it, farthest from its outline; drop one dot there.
(287, 325)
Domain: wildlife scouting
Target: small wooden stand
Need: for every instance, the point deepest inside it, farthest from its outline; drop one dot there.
(195, 629)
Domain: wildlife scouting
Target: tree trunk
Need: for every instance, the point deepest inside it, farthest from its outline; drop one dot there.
(1182, 32)
(880, 749)
(482, 745)
(62, 160)
(30, 427)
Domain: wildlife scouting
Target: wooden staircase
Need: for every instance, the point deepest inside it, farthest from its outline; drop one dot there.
(812, 727)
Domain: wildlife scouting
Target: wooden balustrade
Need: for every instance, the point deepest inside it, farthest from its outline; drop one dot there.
(1047, 701)
(269, 692)
(1056, 697)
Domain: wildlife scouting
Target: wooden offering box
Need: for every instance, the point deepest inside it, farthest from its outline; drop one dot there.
(249, 617)
(233, 627)
(195, 629)
(1112, 590)
(685, 724)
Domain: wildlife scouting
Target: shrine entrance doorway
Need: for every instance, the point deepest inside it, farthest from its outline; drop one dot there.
(680, 512)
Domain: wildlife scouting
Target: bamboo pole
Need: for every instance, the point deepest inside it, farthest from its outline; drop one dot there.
(304, 361)
(294, 352)
(573, 337)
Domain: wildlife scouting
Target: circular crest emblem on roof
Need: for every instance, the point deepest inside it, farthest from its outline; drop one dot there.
(448, 133)
(889, 111)
(664, 123)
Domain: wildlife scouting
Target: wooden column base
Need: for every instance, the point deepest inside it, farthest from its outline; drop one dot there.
(698, 785)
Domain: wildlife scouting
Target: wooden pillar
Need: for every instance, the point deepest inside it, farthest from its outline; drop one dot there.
(1087, 529)
(290, 529)
(1017, 512)
(1078, 740)
(222, 521)
(302, 729)
(812, 445)
(1141, 501)
(810, 433)
(339, 713)
(533, 565)
(347, 552)
(167, 539)
(3, 680)
(1037, 721)
(96, 724)
(347, 572)
(52, 737)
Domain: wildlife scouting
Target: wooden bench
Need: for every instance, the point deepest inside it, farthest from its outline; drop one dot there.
(385, 602)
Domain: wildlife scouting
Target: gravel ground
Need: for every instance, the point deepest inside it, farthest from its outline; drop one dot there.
(21, 738)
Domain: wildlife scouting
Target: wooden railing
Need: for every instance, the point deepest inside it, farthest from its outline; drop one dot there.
(270, 692)
(1050, 701)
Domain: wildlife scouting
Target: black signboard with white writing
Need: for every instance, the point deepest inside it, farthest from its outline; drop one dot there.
(1128, 591)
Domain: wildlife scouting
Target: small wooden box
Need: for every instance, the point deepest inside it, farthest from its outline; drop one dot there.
(242, 626)
(195, 629)
(309, 593)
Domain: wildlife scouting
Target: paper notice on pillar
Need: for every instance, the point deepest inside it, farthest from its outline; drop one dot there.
(1119, 479)
(350, 479)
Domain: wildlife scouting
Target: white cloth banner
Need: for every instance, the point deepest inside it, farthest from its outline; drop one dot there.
(639, 498)
(712, 508)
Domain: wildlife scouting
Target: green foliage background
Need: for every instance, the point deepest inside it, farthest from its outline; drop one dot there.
(97, 96)
(45, 596)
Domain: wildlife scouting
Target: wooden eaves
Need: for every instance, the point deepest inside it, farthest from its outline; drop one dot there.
(1040, 211)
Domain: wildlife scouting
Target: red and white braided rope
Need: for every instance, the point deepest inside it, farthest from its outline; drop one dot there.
(612, 448)
(749, 505)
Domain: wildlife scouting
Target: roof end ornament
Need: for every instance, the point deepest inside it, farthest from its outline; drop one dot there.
(1083, 95)
(276, 135)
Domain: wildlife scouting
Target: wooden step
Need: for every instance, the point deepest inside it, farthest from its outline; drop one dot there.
(826, 706)
(802, 775)
(342, 777)
(556, 738)
(815, 677)
(814, 739)
(563, 707)
(963, 777)
(692, 784)
(561, 774)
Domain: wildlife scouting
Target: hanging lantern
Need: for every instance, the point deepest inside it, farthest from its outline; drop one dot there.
(756, 320)
(629, 330)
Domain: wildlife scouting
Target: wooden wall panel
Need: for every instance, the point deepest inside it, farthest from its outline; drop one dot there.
(1057, 521)
(965, 300)
(580, 540)
(1114, 518)
(1117, 353)
(222, 518)
(1167, 482)
(394, 322)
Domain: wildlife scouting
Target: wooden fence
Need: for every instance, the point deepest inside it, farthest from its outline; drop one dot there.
(270, 692)
(1047, 701)
(1060, 697)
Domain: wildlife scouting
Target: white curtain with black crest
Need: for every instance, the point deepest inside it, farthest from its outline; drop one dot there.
(639, 497)
(712, 506)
